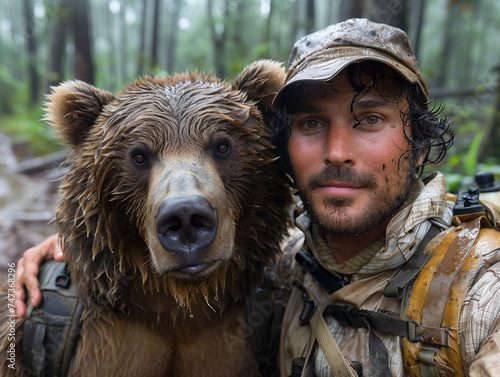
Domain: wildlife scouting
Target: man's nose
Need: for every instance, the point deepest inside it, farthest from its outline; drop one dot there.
(340, 146)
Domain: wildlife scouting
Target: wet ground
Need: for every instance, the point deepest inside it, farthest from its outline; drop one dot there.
(27, 202)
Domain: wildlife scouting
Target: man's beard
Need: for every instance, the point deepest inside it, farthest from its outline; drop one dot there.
(384, 204)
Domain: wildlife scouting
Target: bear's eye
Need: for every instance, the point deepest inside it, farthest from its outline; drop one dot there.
(223, 149)
(140, 158)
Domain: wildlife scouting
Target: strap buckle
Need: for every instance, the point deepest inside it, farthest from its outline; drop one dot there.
(415, 332)
(309, 308)
(63, 279)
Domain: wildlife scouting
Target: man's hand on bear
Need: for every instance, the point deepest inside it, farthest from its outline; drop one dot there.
(28, 268)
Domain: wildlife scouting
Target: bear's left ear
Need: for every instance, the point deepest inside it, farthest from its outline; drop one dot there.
(261, 81)
(73, 108)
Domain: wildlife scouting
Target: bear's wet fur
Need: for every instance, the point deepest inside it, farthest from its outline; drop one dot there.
(164, 295)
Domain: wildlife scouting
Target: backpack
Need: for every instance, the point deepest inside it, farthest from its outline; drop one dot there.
(430, 323)
(51, 330)
(454, 265)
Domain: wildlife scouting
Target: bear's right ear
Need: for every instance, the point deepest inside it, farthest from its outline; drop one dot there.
(73, 108)
(261, 81)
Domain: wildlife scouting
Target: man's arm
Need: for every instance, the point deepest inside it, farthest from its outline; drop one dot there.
(487, 361)
(28, 268)
(480, 325)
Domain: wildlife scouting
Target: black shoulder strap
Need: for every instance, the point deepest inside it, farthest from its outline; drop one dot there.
(403, 279)
(323, 277)
(51, 330)
(265, 307)
(349, 316)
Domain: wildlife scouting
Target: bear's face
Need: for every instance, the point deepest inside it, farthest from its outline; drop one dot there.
(175, 160)
(171, 176)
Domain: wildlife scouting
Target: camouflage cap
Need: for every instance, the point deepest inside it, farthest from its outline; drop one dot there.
(323, 54)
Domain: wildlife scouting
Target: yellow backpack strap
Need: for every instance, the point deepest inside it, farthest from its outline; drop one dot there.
(437, 298)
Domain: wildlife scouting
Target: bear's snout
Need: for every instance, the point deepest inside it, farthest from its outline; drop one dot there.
(186, 224)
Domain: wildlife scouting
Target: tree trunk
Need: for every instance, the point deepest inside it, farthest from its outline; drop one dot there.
(443, 67)
(156, 33)
(12, 10)
(29, 29)
(218, 39)
(264, 51)
(490, 145)
(296, 32)
(310, 16)
(141, 59)
(239, 28)
(122, 49)
(174, 10)
(84, 67)
(420, 7)
(352, 8)
(328, 16)
(59, 27)
(392, 12)
(109, 79)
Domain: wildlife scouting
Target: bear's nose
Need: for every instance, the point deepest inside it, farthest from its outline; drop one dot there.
(186, 224)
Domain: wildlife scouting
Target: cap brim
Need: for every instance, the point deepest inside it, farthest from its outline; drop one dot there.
(324, 67)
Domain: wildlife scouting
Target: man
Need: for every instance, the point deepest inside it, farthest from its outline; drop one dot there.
(354, 130)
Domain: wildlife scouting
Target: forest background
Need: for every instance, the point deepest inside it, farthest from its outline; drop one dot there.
(110, 42)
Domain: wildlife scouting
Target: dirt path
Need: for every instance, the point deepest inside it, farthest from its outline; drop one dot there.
(27, 202)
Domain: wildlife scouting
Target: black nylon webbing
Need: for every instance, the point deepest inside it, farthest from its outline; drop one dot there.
(396, 288)
(348, 316)
(51, 330)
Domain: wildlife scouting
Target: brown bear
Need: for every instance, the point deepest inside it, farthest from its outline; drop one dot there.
(169, 214)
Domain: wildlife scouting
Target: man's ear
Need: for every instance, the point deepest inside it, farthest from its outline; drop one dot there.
(421, 159)
(261, 81)
(72, 109)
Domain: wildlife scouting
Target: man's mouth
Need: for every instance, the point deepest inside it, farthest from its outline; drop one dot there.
(335, 181)
(339, 188)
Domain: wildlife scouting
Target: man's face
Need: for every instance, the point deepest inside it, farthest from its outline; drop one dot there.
(350, 176)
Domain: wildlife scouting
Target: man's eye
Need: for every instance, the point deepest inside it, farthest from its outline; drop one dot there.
(372, 119)
(311, 124)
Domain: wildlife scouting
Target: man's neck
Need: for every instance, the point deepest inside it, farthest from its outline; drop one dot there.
(344, 248)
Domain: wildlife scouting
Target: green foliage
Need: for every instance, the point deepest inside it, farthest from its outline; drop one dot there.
(463, 164)
(26, 128)
(8, 91)
(470, 115)
(472, 155)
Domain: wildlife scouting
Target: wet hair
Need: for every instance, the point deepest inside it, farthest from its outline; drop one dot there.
(431, 130)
